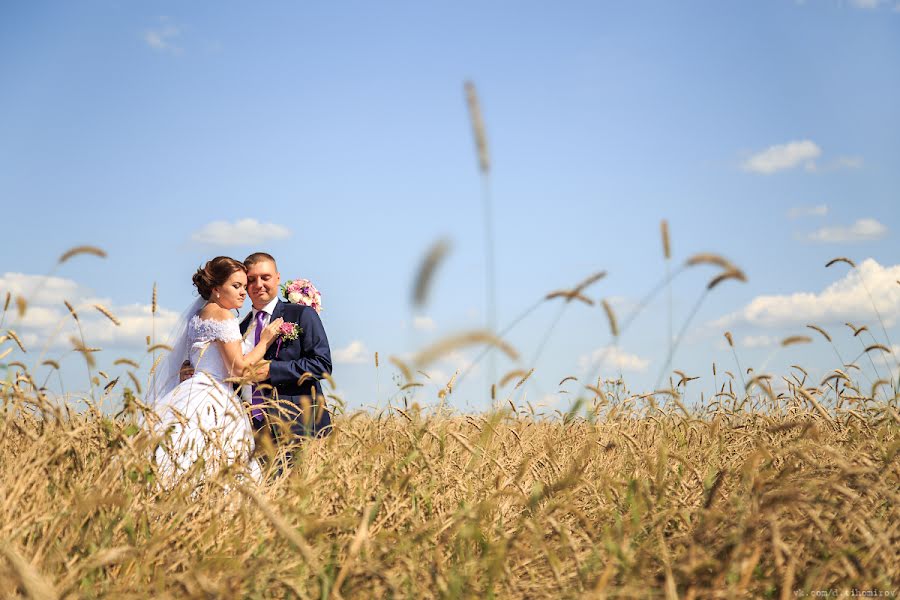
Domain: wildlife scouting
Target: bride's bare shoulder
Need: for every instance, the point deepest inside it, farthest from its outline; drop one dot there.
(214, 312)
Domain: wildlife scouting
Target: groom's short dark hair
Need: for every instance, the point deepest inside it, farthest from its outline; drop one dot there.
(259, 257)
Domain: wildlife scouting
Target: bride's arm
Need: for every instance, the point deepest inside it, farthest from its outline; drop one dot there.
(232, 353)
(238, 362)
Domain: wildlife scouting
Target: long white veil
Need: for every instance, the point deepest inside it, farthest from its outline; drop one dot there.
(166, 376)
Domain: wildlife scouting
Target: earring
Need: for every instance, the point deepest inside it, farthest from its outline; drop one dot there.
(218, 295)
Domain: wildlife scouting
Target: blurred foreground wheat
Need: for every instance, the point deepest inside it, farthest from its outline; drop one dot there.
(630, 499)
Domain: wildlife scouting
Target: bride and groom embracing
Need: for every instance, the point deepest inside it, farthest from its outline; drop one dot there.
(280, 348)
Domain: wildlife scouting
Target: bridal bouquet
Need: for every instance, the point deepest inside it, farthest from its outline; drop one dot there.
(302, 291)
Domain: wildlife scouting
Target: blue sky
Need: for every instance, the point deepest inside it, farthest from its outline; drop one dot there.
(336, 136)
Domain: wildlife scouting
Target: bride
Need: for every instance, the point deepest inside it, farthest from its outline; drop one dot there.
(206, 418)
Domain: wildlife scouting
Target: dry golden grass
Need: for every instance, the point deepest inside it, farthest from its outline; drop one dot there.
(736, 499)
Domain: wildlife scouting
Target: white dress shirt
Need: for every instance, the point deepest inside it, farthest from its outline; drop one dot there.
(250, 335)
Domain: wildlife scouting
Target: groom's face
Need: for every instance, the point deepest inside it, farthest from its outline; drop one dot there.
(263, 280)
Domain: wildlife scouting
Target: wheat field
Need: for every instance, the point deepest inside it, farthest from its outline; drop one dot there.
(626, 498)
(768, 488)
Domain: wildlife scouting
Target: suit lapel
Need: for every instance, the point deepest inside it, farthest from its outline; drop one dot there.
(246, 323)
(277, 311)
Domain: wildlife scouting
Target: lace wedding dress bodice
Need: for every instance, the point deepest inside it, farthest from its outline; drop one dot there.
(204, 355)
(204, 416)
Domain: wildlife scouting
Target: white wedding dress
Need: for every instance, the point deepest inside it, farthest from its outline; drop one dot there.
(206, 417)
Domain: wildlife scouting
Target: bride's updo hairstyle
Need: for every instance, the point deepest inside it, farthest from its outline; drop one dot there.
(215, 273)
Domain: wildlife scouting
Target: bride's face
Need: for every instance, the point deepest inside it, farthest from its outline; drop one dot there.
(231, 294)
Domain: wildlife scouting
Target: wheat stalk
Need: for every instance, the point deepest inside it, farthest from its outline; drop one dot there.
(77, 250)
(708, 258)
(14, 337)
(106, 313)
(484, 160)
(796, 339)
(460, 340)
(611, 319)
(427, 268)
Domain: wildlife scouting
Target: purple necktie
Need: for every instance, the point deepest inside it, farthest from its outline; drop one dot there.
(258, 397)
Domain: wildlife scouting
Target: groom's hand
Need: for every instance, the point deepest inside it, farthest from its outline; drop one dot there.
(260, 371)
(186, 371)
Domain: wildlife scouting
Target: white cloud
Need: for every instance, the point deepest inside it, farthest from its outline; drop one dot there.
(553, 401)
(757, 341)
(423, 323)
(848, 162)
(549, 405)
(784, 156)
(47, 321)
(162, 38)
(39, 289)
(450, 364)
(354, 353)
(242, 232)
(862, 230)
(612, 357)
(819, 210)
(843, 300)
(137, 322)
(867, 4)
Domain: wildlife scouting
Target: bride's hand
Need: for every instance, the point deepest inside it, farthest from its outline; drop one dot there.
(271, 331)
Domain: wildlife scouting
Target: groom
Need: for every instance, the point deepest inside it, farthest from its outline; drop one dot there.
(287, 404)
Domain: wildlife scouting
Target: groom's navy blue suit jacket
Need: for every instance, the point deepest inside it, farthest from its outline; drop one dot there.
(309, 353)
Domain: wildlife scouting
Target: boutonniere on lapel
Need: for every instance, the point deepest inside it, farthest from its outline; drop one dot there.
(288, 332)
(303, 292)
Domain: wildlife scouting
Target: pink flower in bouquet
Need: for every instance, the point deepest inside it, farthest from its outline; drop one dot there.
(302, 291)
